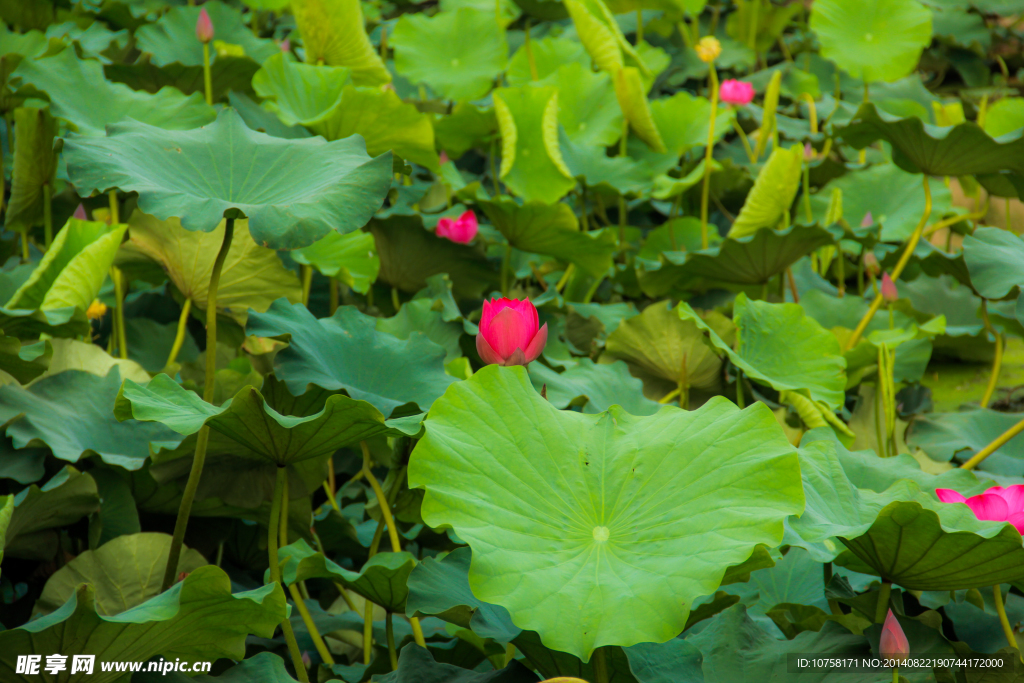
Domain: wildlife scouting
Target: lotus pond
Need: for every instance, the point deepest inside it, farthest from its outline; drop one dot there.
(503, 341)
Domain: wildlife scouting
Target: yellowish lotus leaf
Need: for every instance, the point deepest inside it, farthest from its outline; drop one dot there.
(334, 33)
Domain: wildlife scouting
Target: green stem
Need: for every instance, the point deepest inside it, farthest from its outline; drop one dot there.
(115, 213)
(307, 619)
(306, 273)
(494, 168)
(895, 675)
(600, 666)
(367, 633)
(739, 389)
(207, 80)
(185, 508)
(122, 337)
(24, 246)
(807, 193)
(280, 483)
(623, 141)
(713, 80)
(997, 596)
(908, 251)
(389, 629)
(882, 606)
(47, 214)
(994, 446)
(179, 337)
(506, 267)
(997, 362)
(746, 142)
(332, 290)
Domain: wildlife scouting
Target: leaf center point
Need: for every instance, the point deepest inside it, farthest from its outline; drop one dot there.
(600, 534)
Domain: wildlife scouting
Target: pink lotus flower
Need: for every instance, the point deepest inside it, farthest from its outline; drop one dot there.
(871, 264)
(286, 45)
(867, 221)
(736, 92)
(462, 229)
(80, 213)
(997, 504)
(509, 333)
(442, 158)
(204, 27)
(889, 292)
(893, 644)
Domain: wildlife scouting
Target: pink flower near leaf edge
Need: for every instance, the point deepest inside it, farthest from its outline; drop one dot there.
(461, 230)
(997, 504)
(893, 644)
(204, 27)
(509, 333)
(736, 92)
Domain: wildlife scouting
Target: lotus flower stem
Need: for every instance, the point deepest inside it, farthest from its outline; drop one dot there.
(122, 338)
(895, 674)
(882, 606)
(743, 137)
(997, 596)
(367, 633)
(389, 629)
(600, 666)
(739, 389)
(994, 446)
(908, 251)
(306, 279)
(332, 291)
(24, 246)
(207, 79)
(997, 362)
(389, 520)
(179, 337)
(706, 190)
(185, 508)
(273, 530)
(307, 619)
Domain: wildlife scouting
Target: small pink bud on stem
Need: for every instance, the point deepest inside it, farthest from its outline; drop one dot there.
(204, 27)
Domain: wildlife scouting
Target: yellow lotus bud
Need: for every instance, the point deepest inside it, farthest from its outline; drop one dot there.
(97, 309)
(708, 49)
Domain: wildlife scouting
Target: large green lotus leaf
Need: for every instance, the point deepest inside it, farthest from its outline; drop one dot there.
(417, 665)
(39, 512)
(382, 580)
(252, 277)
(14, 47)
(292, 191)
(964, 149)
(334, 34)
(35, 167)
(273, 428)
(351, 259)
(631, 92)
(682, 121)
(780, 345)
(71, 354)
(125, 573)
(772, 194)
(751, 260)
(894, 198)
(172, 38)
(72, 413)
(434, 50)
(531, 159)
(92, 40)
(962, 434)
(27, 323)
(197, 619)
(300, 94)
(872, 40)
(73, 269)
(587, 108)
(549, 55)
(422, 316)
(663, 350)
(466, 127)
(995, 260)
(441, 588)
(551, 229)
(1005, 116)
(602, 385)
(24, 362)
(410, 255)
(63, 76)
(385, 122)
(346, 351)
(593, 530)
(737, 648)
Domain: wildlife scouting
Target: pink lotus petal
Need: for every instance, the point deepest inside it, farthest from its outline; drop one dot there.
(509, 330)
(949, 496)
(487, 354)
(517, 358)
(893, 643)
(1013, 495)
(867, 221)
(888, 289)
(1017, 520)
(537, 344)
(736, 92)
(204, 27)
(989, 507)
(80, 213)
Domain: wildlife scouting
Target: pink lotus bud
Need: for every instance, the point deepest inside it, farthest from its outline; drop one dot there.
(306, 660)
(867, 221)
(736, 92)
(871, 264)
(204, 27)
(80, 213)
(889, 293)
(443, 157)
(509, 334)
(182, 575)
(462, 229)
(893, 644)
(808, 152)
(286, 45)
